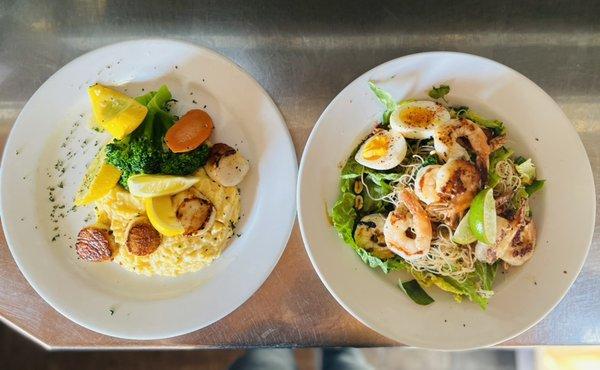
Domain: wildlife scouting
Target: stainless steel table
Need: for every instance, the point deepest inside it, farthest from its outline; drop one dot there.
(303, 53)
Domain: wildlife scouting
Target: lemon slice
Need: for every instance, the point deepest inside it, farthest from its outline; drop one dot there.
(115, 112)
(98, 180)
(482, 218)
(162, 216)
(149, 186)
(463, 234)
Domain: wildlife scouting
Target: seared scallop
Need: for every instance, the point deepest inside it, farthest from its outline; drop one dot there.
(95, 245)
(194, 211)
(225, 165)
(142, 237)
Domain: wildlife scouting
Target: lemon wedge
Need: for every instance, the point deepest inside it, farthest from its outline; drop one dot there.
(98, 180)
(162, 215)
(149, 186)
(115, 112)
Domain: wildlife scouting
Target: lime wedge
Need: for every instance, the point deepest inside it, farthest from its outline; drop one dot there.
(463, 234)
(482, 218)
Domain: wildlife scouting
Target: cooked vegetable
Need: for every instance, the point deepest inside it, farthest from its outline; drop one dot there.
(182, 164)
(191, 130)
(143, 151)
(439, 92)
(115, 112)
(414, 291)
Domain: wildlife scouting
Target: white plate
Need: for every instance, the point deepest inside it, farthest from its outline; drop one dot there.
(104, 297)
(564, 211)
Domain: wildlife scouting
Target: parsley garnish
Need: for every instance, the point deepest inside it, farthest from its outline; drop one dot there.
(439, 92)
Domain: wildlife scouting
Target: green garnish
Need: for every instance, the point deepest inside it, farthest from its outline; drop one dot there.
(414, 291)
(439, 92)
(143, 151)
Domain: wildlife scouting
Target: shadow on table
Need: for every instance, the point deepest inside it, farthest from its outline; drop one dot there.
(19, 353)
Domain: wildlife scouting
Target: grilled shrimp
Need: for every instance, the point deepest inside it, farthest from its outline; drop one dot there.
(457, 183)
(448, 146)
(515, 240)
(425, 184)
(521, 246)
(407, 229)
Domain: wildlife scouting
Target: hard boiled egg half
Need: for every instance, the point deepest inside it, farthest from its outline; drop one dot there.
(417, 119)
(382, 151)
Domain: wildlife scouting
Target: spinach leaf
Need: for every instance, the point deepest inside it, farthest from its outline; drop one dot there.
(535, 186)
(430, 159)
(414, 291)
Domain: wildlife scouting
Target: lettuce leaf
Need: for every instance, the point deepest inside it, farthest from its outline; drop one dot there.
(526, 170)
(386, 99)
(486, 273)
(344, 216)
(481, 279)
(500, 154)
(496, 125)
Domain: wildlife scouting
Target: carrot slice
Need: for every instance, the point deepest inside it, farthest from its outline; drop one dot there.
(194, 128)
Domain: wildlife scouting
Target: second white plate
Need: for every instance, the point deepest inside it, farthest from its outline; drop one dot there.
(564, 211)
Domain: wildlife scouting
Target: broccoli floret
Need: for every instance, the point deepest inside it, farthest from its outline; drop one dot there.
(181, 164)
(133, 156)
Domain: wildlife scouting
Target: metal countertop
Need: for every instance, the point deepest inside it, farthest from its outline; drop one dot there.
(303, 54)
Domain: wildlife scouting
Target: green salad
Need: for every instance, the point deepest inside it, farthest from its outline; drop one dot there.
(435, 191)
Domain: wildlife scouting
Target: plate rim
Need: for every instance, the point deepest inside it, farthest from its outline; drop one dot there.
(303, 232)
(287, 227)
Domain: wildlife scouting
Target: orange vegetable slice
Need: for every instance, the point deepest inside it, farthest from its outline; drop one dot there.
(194, 128)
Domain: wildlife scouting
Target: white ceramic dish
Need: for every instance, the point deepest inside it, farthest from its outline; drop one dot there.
(564, 211)
(104, 297)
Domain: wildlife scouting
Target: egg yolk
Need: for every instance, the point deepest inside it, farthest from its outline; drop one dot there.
(376, 147)
(417, 116)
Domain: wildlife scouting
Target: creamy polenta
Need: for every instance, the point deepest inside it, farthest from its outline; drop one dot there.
(176, 254)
